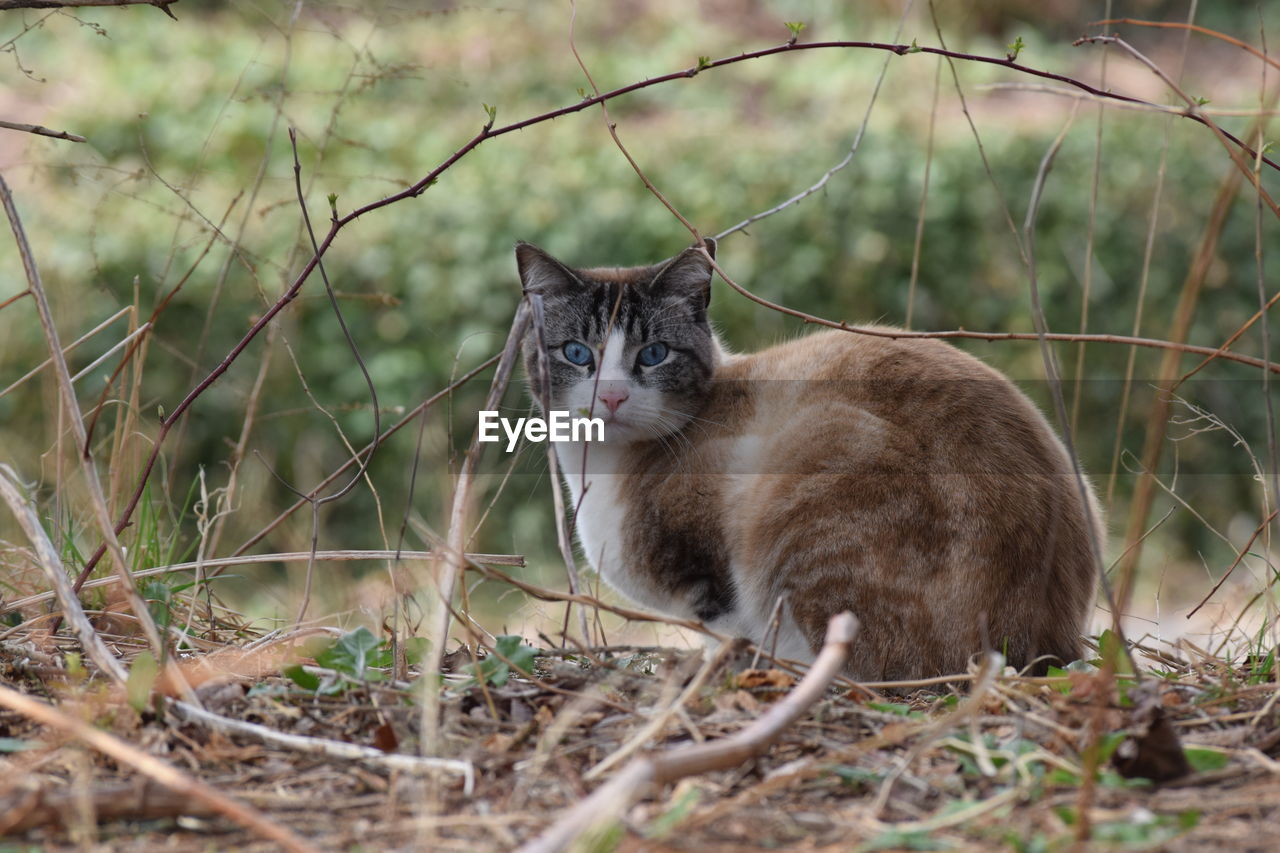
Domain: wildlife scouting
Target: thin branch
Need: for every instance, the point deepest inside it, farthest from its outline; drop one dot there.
(47, 556)
(365, 458)
(166, 774)
(826, 177)
(413, 413)
(454, 561)
(39, 129)
(329, 748)
(564, 538)
(1240, 556)
(1195, 28)
(514, 560)
(1193, 107)
(643, 774)
(69, 347)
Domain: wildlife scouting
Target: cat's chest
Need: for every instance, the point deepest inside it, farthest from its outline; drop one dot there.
(603, 508)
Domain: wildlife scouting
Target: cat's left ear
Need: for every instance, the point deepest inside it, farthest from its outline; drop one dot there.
(688, 274)
(541, 273)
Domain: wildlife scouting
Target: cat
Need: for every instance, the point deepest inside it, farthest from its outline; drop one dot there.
(900, 479)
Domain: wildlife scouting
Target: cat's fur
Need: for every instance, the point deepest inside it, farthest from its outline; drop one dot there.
(903, 480)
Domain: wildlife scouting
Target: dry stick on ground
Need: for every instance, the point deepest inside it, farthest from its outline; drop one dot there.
(98, 500)
(489, 132)
(41, 130)
(51, 564)
(329, 748)
(162, 772)
(133, 801)
(642, 774)
(659, 720)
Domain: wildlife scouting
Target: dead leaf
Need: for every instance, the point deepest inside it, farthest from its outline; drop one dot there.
(384, 738)
(1152, 749)
(757, 678)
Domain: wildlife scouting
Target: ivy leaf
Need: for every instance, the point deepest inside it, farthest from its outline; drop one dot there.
(302, 678)
(350, 654)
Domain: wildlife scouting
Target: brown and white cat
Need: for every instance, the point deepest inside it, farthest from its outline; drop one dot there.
(902, 480)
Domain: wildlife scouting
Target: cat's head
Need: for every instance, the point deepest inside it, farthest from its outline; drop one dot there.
(629, 345)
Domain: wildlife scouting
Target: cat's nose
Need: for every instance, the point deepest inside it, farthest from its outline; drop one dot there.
(613, 399)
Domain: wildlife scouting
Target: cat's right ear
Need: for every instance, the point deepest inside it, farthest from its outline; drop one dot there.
(541, 273)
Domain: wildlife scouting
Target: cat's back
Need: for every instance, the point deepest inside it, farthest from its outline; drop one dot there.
(867, 394)
(914, 483)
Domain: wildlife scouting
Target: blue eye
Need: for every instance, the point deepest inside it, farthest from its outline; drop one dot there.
(577, 353)
(652, 354)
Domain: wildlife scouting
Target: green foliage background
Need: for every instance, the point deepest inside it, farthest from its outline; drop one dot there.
(182, 116)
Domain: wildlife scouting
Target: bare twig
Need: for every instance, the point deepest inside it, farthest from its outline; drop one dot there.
(1195, 28)
(452, 566)
(68, 348)
(330, 748)
(564, 538)
(646, 772)
(362, 459)
(1228, 142)
(654, 726)
(1240, 556)
(39, 129)
(162, 772)
(51, 564)
(391, 430)
(257, 559)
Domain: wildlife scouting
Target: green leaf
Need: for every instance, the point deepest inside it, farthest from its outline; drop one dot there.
(890, 708)
(1204, 760)
(857, 775)
(142, 677)
(350, 654)
(495, 668)
(662, 826)
(1111, 648)
(158, 596)
(415, 649)
(795, 27)
(897, 839)
(302, 678)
